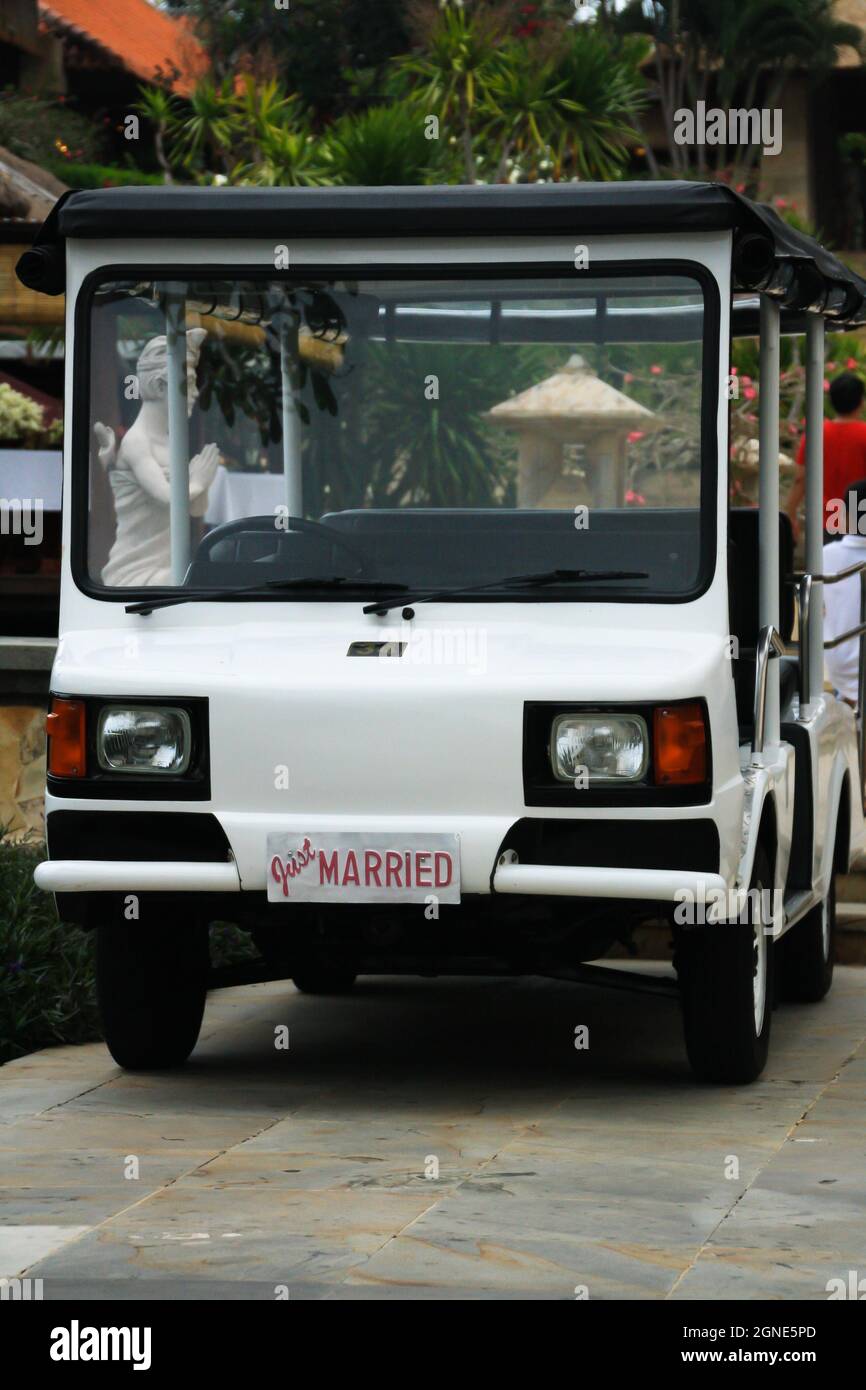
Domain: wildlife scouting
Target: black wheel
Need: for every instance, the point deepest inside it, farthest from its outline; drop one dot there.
(151, 983)
(806, 953)
(726, 988)
(323, 979)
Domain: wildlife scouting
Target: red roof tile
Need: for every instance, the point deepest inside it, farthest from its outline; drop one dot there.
(144, 40)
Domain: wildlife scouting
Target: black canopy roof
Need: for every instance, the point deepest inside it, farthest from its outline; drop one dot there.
(769, 255)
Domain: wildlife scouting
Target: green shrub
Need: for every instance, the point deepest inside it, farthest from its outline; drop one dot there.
(101, 175)
(47, 993)
(47, 968)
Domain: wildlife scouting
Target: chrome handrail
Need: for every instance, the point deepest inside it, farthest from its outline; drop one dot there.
(770, 644)
(845, 636)
(859, 568)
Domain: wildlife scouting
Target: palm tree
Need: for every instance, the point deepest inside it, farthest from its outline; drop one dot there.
(210, 130)
(741, 49)
(518, 106)
(458, 49)
(600, 91)
(159, 107)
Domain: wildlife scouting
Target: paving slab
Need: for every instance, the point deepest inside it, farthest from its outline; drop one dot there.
(441, 1139)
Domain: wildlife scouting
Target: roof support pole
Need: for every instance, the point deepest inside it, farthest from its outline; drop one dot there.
(178, 432)
(290, 419)
(768, 492)
(815, 497)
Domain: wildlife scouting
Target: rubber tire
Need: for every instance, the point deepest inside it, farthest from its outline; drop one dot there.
(716, 966)
(805, 972)
(151, 983)
(322, 979)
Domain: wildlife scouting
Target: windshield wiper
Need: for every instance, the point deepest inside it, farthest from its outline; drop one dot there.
(336, 581)
(515, 581)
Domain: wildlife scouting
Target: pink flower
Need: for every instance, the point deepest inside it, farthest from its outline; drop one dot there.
(634, 436)
(826, 384)
(851, 363)
(746, 380)
(734, 371)
(629, 377)
(656, 369)
(635, 497)
(750, 393)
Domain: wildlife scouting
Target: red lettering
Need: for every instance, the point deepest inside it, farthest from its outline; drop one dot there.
(408, 869)
(371, 868)
(442, 882)
(328, 868)
(351, 865)
(278, 874)
(423, 866)
(393, 866)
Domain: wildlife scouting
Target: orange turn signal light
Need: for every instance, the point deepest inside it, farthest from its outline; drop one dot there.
(679, 745)
(67, 750)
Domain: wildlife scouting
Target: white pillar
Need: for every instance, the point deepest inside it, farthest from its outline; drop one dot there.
(768, 606)
(815, 496)
(178, 432)
(291, 422)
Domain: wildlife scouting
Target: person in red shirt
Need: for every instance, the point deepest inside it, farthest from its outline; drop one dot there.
(844, 451)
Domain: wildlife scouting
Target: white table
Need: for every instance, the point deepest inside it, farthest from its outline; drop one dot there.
(236, 495)
(32, 475)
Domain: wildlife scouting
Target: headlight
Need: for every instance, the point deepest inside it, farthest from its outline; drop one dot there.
(143, 738)
(610, 747)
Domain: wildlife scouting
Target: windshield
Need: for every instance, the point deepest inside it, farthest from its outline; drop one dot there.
(428, 433)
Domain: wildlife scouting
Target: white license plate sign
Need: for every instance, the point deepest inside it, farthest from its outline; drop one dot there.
(344, 867)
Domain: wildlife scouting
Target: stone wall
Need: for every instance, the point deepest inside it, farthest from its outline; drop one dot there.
(25, 665)
(22, 770)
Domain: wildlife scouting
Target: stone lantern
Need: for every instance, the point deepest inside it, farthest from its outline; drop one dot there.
(575, 408)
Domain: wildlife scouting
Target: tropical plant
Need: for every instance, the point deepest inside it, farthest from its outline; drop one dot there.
(600, 93)
(441, 451)
(288, 158)
(208, 134)
(456, 53)
(383, 145)
(558, 102)
(520, 113)
(159, 107)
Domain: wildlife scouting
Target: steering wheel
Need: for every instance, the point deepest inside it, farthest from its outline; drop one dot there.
(273, 526)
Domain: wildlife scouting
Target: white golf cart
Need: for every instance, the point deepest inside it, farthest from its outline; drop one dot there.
(405, 621)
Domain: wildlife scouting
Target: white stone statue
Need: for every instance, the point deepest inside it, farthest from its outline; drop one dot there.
(139, 472)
